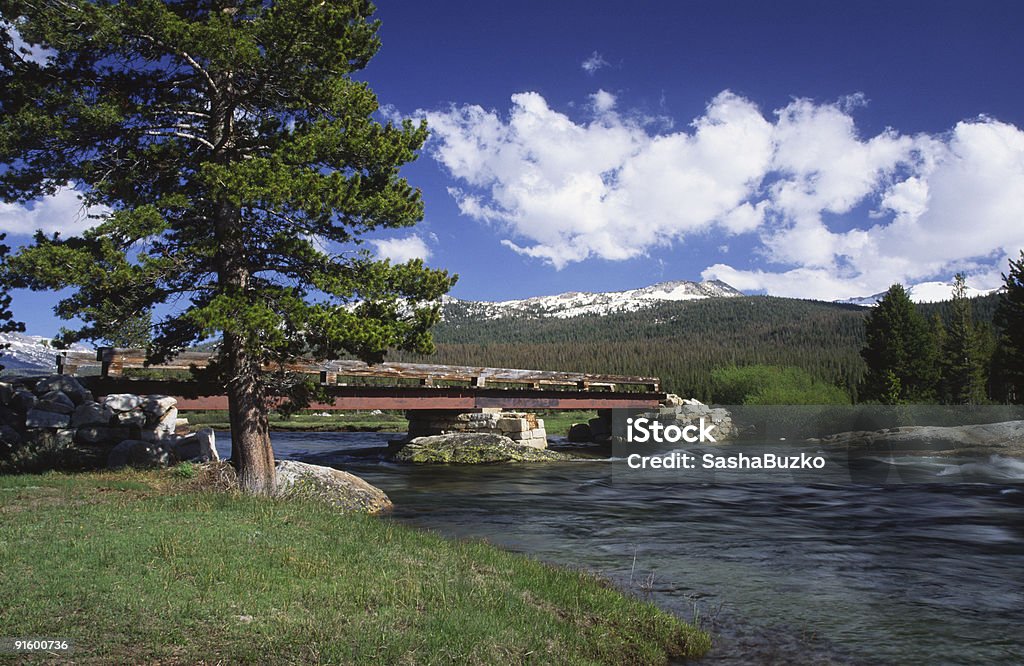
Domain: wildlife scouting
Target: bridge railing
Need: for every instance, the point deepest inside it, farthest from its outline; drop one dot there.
(113, 362)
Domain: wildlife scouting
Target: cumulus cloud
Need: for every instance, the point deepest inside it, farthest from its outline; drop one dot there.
(62, 212)
(595, 62)
(401, 250)
(835, 214)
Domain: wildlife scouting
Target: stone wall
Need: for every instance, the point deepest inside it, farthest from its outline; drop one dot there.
(521, 427)
(58, 415)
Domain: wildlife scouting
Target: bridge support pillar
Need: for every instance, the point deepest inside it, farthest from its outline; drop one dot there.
(522, 427)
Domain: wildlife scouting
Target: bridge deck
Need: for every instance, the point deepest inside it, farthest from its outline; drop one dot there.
(432, 386)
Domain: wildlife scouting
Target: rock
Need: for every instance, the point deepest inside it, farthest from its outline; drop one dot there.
(199, 447)
(136, 453)
(122, 402)
(513, 425)
(181, 427)
(1006, 438)
(65, 384)
(333, 486)
(6, 393)
(91, 413)
(11, 418)
(472, 448)
(39, 418)
(102, 434)
(155, 406)
(207, 443)
(56, 401)
(134, 417)
(23, 401)
(580, 432)
(9, 435)
(165, 427)
(672, 400)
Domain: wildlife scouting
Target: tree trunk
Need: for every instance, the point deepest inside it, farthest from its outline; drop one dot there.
(251, 452)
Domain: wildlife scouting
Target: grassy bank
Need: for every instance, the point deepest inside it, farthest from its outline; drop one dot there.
(139, 567)
(556, 422)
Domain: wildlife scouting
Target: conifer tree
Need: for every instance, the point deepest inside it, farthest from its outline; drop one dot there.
(962, 362)
(233, 162)
(899, 352)
(1010, 318)
(7, 321)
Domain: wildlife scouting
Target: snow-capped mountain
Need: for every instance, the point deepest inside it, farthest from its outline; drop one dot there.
(29, 354)
(922, 292)
(576, 303)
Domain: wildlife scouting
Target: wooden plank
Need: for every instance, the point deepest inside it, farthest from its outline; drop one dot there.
(115, 361)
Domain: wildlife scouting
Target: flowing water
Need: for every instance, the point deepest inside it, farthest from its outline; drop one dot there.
(800, 572)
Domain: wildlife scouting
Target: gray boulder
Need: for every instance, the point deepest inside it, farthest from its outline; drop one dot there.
(134, 417)
(91, 413)
(200, 446)
(6, 393)
(333, 486)
(39, 418)
(23, 401)
(95, 434)
(472, 448)
(9, 435)
(580, 432)
(1005, 438)
(122, 402)
(136, 453)
(56, 401)
(155, 406)
(65, 384)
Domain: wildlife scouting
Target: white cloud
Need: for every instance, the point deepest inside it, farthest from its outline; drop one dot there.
(401, 250)
(603, 101)
(595, 62)
(613, 187)
(62, 212)
(606, 188)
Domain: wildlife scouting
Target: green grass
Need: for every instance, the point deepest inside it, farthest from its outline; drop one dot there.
(141, 567)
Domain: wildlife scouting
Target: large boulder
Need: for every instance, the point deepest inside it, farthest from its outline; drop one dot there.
(472, 448)
(122, 402)
(91, 414)
(1006, 438)
(56, 401)
(39, 418)
(23, 401)
(580, 432)
(200, 446)
(65, 384)
(333, 486)
(136, 453)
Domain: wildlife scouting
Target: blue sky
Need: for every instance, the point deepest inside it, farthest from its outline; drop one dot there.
(807, 149)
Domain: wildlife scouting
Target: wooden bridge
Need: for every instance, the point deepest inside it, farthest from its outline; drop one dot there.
(353, 385)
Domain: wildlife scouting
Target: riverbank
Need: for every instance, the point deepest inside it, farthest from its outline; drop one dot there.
(147, 567)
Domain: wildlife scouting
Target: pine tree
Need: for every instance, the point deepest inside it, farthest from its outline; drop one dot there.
(899, 352)
(1009, 317)
(240, 163)
(962, 361)
(7, 322)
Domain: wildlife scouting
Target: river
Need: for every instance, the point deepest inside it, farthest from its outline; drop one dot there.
(799, 572)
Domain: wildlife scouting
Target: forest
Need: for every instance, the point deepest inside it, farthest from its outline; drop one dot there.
(683, 343)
